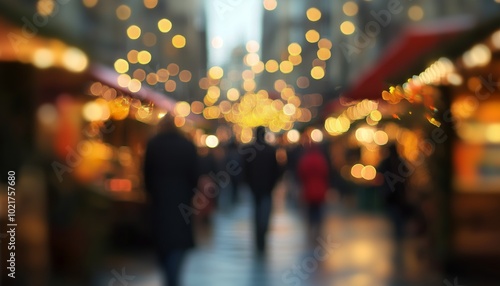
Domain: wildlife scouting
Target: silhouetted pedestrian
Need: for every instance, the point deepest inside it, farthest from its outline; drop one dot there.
(170, 175)
(262, 172)
(313, 173)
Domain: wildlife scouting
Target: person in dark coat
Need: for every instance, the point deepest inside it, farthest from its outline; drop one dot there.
(170, 176)
(262, 172)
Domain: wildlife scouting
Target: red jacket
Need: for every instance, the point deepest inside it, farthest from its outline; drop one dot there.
(313, 175)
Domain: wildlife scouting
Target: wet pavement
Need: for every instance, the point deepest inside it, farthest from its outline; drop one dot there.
(353, 249)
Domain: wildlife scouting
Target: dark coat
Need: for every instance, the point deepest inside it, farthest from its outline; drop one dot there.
(261, 167)
(170, 176)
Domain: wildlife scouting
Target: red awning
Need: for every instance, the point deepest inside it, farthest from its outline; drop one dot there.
(110, 77)
(414, 43)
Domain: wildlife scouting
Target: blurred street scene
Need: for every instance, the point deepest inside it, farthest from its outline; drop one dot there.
(258, 142)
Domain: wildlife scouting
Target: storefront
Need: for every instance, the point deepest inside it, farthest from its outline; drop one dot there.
(448, 111)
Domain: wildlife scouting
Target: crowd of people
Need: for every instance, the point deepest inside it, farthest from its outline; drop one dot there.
(183, 183)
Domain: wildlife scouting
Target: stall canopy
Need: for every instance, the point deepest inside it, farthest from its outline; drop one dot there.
(405, 53)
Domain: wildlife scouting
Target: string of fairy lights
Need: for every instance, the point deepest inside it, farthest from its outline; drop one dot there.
(245, 106)
(235, 97)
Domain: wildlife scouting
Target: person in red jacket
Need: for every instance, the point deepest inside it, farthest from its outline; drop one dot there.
(313, 174)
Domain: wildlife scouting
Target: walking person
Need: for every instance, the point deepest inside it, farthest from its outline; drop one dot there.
(170, 175)
(262, 171)
(313, 174)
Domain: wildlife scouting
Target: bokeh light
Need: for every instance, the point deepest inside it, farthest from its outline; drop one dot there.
(313, 14)
(179, 41)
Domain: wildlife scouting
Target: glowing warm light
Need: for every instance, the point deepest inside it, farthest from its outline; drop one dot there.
(495, 39)
(272, 66)
(182, 109)
(313, 14)
(225, 107)
(179, 41)
(289, 109)
(170, 85)
(163, 75)
(233, 94)
(479, 55)
(150, 4)
(270, 4)
(356, 171)
(216, 72)
(380, 137)
(92, 111)
(144, 57)
(493, 133)
(123, 80)
(347, 28)
(324, 54)
(134, 32)
(152, 79)
(325, 44)
(212, 141)
(134, 85)
(454, 79)
(119, 185)
(415, 13)
(45, 7)
(259, 67)
(123, 12)
(376, 115)
(293, 136)
(279, 85)
(96, 88)
(90, 3)
(164, 25)
(252, 46)
(43, 58)
(294, 49)
(312, 36)
(132, 56)
(286, 67)
(185, 76)
(179, 121)
(121, 66)
(249, 85)
(217, 42)
(161, 115)
(139, 74)
(364, 134)
(173, 69)
(350, 8)
(317, 73)
(316, 135)
(197, 107)
(295, 60)
(252, 59)
(74, 60)
(119, 108)
(368, 172)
